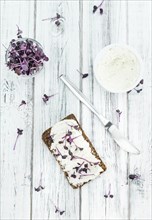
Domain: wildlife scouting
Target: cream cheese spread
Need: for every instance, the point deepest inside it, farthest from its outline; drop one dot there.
(118, 69)
(74, 153)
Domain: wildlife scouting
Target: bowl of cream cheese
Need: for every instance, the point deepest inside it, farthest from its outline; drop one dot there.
(118, 68)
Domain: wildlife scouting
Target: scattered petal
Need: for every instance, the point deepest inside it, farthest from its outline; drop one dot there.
(73, 175)
(106, 196)
(101, 11)
(38, 189)
(119, 114)
(61, 213)
(95, 8)
(46, 98)
(109, 195)
(136, 88)
(19, 132)
(85, 75)
(134, 176)
(22, 103)
(65, 147)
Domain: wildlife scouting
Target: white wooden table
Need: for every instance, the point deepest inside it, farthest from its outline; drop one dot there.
(85, 34)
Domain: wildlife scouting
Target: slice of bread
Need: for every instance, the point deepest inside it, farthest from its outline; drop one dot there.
(72, 149)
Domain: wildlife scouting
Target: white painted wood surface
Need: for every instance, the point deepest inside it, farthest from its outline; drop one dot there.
(84, 36)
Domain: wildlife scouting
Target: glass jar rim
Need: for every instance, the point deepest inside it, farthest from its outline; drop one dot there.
(24, 39)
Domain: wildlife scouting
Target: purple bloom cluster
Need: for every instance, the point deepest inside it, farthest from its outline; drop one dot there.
(25, 56)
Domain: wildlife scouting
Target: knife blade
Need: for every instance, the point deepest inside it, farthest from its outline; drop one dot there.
(122, 141)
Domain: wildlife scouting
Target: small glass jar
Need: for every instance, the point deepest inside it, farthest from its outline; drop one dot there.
(24, 40)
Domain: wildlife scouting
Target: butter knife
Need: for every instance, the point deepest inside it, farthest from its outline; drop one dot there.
(113, 130)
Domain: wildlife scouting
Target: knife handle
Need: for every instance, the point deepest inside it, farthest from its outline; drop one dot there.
(120, 139)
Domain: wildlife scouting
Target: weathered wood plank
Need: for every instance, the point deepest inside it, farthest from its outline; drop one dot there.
(140, 108)
(63, 52)
(15, 165)
(99, 31)
(85, 34)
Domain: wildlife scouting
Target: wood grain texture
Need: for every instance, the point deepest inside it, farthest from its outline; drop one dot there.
(63, 51)
(15, 165)
(139, 111)
(103, 31)
(85, 34)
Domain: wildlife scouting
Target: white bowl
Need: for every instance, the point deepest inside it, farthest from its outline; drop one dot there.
(100, 56)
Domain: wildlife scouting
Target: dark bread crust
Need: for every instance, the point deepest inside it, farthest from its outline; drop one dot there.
(47, 141)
